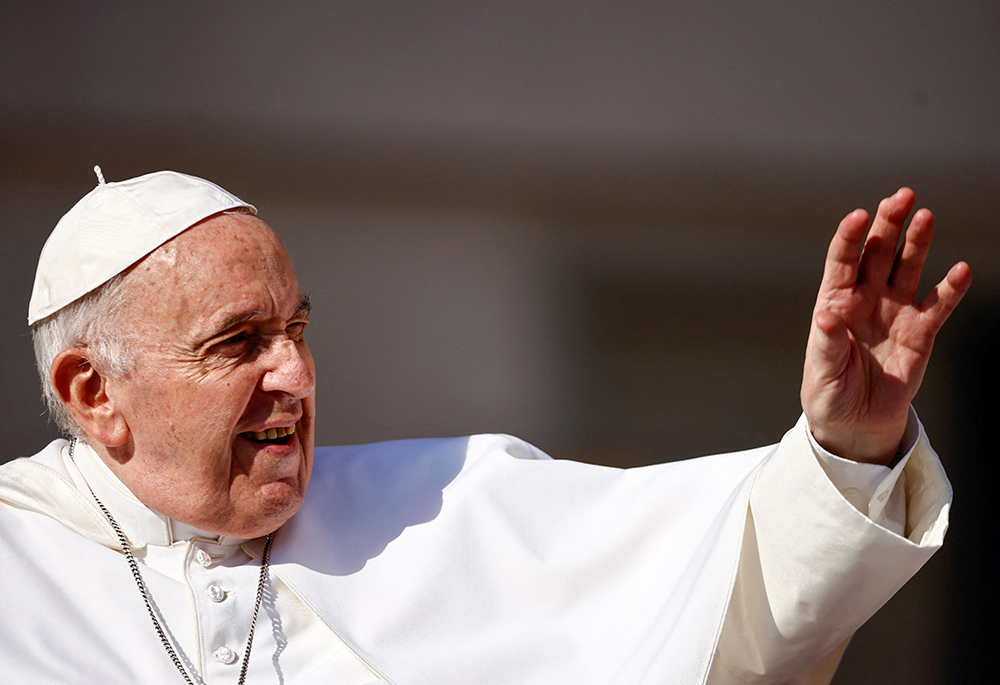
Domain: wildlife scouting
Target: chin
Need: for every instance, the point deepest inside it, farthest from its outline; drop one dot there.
(281, 502)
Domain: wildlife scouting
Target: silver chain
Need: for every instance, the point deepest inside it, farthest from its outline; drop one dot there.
(127, 549)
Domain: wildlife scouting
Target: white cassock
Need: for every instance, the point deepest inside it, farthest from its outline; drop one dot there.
(474, 561)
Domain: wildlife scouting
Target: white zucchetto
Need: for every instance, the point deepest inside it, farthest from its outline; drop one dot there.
(113, 227)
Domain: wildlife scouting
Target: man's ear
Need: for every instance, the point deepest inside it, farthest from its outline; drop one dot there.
(84, 391)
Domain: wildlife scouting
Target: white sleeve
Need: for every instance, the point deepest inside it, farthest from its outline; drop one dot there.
(871, 488)
(827, 543)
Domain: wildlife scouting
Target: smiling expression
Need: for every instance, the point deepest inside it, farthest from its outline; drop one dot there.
(220, 407)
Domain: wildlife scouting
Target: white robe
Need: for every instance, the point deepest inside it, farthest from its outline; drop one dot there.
(479, 560)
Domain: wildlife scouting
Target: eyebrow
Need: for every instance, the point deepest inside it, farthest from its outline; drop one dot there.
(305, 306)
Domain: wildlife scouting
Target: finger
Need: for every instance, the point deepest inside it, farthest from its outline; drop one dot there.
(880, 248)
(906, 272)
(942, 300)
(841, 269)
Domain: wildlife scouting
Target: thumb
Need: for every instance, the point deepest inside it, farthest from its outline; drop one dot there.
(829, 347)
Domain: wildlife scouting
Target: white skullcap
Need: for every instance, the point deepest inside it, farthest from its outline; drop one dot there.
(113, 227)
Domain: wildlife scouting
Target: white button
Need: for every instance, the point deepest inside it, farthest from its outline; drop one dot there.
(215, 593)
(852, 494)
(203, 558)
(882, 495)
(224, 655)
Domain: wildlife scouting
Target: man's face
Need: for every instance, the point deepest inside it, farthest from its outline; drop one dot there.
(223, 374)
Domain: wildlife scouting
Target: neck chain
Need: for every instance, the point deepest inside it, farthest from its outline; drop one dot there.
(127, 549)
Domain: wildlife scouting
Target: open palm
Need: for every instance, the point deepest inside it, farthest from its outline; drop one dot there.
(870, 339)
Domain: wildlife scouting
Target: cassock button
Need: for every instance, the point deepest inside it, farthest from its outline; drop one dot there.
(853, 496)
(215, 593)
(203, 558)
(224, 655)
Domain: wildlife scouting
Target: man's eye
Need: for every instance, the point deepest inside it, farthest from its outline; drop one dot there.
(297, 330)
(238, 340)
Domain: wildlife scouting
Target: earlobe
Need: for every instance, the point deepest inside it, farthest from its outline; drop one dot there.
(84, 391)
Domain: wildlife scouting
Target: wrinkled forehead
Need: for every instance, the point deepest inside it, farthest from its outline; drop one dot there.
(233, 240)
(228, 266)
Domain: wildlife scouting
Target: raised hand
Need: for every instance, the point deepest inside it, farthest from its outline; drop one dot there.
(870, 339)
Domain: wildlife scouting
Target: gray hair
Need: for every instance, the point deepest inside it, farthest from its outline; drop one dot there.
(93, 321)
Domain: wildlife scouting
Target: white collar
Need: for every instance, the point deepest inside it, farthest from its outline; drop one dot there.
(141, 525)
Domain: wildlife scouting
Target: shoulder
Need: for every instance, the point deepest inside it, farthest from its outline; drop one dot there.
(24, 479)
(50, 456)
(402, 451)
(429, 461)
(39, 490)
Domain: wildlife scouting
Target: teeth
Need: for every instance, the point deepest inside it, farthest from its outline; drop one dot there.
(272, 433)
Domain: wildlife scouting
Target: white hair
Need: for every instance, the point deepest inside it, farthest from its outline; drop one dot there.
(92, 322)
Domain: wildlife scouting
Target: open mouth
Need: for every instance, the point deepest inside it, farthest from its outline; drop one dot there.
(271, 436)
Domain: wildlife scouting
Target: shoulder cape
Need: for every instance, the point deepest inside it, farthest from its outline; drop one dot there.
(464, 560)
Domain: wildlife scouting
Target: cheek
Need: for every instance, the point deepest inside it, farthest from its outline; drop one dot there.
(193, 416)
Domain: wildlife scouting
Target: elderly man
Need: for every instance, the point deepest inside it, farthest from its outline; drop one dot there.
(172, 537)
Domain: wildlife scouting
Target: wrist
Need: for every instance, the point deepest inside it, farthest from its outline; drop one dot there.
(883, 446)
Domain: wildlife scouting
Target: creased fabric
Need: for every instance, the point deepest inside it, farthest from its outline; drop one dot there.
(481, 560)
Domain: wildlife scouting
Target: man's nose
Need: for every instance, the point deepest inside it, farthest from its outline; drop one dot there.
(289, 369)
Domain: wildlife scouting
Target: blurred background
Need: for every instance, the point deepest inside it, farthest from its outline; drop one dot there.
(599, 226)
